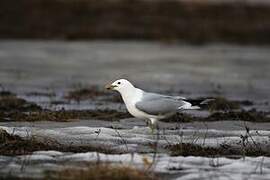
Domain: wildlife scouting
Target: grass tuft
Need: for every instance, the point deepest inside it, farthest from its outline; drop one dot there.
(10, 102)
(84, 94)
(104, 172)
(11, 145)
(64, 115)
(189, 149)
(223, 104)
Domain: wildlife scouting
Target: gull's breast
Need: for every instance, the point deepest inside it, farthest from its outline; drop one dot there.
(131, 104)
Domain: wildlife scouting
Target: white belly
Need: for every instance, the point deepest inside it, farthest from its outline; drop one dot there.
(130, 102)
(134, 111)
(131, 99)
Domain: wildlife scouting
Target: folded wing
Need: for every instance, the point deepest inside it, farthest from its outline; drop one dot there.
(157, 104)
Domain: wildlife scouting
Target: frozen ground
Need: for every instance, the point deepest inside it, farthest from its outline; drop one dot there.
(132, 135)
(136, 140)
(187, 168)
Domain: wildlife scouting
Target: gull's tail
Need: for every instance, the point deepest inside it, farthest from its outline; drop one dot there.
(193, 104)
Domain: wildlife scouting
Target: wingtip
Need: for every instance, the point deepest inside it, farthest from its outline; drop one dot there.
(206, 101)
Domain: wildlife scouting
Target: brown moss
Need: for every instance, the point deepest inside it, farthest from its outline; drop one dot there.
(246, 103)
(114, 98)
(14, 145)
(222, 104)
(84, 94)
(63, 115)
(6, 93)
(57, 102)
(182, 117)
(93, 93)
(251, 115)
(104, 172)
(13, 108)
(11, 145)
(6, 137)
(48, 94)
(188, 149)
(13, 103)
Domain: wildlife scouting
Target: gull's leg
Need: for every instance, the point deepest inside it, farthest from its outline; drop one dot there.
(148, 122)
(153, 124)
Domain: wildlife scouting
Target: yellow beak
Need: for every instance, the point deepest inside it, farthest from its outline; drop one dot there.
(110, 86)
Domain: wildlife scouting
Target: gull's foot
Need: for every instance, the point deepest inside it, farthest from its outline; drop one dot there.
(154, 127)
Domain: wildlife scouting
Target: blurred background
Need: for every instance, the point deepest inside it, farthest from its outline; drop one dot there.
(194, 46)
(192, 21)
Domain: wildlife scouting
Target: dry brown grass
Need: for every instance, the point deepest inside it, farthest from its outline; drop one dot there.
(11, 145)
(84, 93)
(13, 103)
(192, 149)
(91, 93)
(223, 104)
(243, 115)
(13, 108)
(251, 116)
(103, 172)
(64, 115)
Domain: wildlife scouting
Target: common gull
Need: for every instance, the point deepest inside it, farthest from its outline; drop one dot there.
(150, 106)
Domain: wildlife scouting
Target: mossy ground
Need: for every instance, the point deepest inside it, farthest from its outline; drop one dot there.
(91, 93)
(63, 115)
(10, 102)
(84, 93)
(188, 149)
(11, 145)
(242, 115)
(13, 108)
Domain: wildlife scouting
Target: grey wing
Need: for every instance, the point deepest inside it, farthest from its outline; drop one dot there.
(151, 96)
(155, 104)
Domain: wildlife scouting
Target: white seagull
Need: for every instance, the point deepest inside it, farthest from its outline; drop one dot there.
(150, 106)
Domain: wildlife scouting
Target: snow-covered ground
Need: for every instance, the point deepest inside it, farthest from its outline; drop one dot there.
(179, 167)
(132, 138)
(132, 135)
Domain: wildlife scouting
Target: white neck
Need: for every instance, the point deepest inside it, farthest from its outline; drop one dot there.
(130, 95)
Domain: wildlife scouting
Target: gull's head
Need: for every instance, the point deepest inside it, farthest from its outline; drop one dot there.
(120, 85)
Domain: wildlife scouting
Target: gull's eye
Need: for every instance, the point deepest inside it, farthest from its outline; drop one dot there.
(119, 83)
